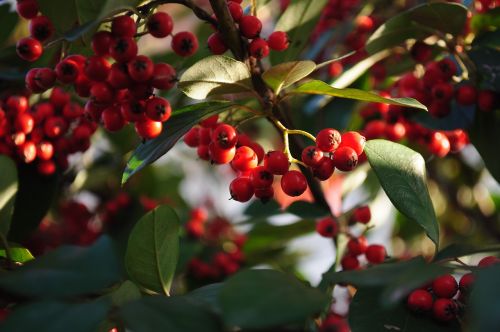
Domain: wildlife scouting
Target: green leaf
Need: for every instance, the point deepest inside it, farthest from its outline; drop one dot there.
(298, 21)
(486, 21)
(18, 254)
(215, 75)
(316, 87)
(54, 316)
(81, 270)
(179, 123)
(418, 23)
(8, 190)
(401, 172)
(209, 295)
(62, 13)
(172, 314)
(366, 314)
(484, 300)
(9, 21)
(460, 250)
(257, 299)
(307, 210)
(482, 134)
(153, 250)
(127, 292)
(285, 74)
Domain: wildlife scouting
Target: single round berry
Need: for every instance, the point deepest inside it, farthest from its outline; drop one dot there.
(27, 152)
(112, 119)
(349, 262)
(327, 227)
(362, 214)
(439, 144)
(312, 156)
(325, 169)
(345, 158)
(216, 44)
(421, 52)
(328, 140)
(210, 122)
(354, 140)
(395, 131)
(220, 156)
(420, 301)
(264, 194)
(24, 123)
(27, 9)
(44, 150)
(160, 24)
(466, 95)
(100, 42)
(241, 189)
(442, 91)
(444, 310)
(184, 43)
(486, 100)
(45, 78)
(258, 48)
(276, 162)
(118, 76)
(133, 110)
(123, 49)
(447, 67)
(488, 261)
(158, 109)
(17, 104)
(225, 136)
(72, 111)
(293, 183)
(149, 129)
(192, 137)
(140, 68)
(261, 177)
(445, 286)
(375, 253)
(278, 41)
(250, 26)
(41, 28)
(123, 26)
(466, 282)
(102, 93)
(245, 159)
(97, 68)
(55, 126)
(29, 49)
(235, 10)
(357, 245)
(164, 76)
(67, 71)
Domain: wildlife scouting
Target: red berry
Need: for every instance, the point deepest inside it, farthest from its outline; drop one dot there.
(445, 286)
(97, 68)
(164, 76)
(140, 68)
(375, 253)
(118, 76)
(205, 136)
(235, 10)
(27, 9)
(219, 155)
(488, 261)
(276, 162)
(374, 129)
(486, 100)
(395, 132)
(241, 189)
(442, 91)
(421, 52)
(439, 144)
(158, 109)
(148, 129)
(203, 152)
(17, 104)
(133, 111)
(335, 69)
(357, 245)
(447, 67)
(27, 152)
(55, 126)
(334, 323)
(123, 26)
(345, 158)
(328, 140)
(278, 41)
(192, 137)
(466, 282)
(67, 71)
(210, 122)
(258, 48)
(123, 49)
(250, 26)
(364, 24)
(312, 156)
(466, 95)
(72, 111)
(160, 24)
(362, 214)
(349, 262)
(325, 169)
(41, 28)
(261, 177)
(102, 93)
(245, 159)
(264, 194)
(195, 229)
(44, 150)
(293, 183)
(354, 140)
(420, 301)
(444, 310)
(112, 118)
(327, 227)
(225, 136)
(24, 123)
(184, 43)
(216, 43)
(29, 49)
(100, 42)
(46, 167)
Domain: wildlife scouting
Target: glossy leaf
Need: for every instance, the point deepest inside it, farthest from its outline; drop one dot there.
(18, 254)
(482, 134)
(321, 88)
(285, 74)
(81, 270)
(8, 190)
(298, 21)
(418, 23)
(257, 299)
(173, 314)
(460, 250)
(127, 292)
(209, 295)
(179, 123)
(215, 75)
(153, 250)
(401, 172)
(484, 301)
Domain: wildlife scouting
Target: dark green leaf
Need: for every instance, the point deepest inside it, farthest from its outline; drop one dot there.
(258, 209)
(321, 88)
(9, 20)
(215, 75)
(489, 38)
(126, 293)
(307, 210)
(209, 295)
(485, 300)
(53, 316)
(66, 271)
(265, 298)
(179, 123)
(401, 172)
(298, 21)
(366, 314)
(482, 134)
(172, 314)
(460, 250)
(18, 254)
(8, 190)
(418, 23)
(153, 250)
(62, 13)
(285, 74)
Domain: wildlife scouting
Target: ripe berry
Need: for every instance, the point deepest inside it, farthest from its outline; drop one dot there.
(184, 43)
(293, 183)
(439, 144)
(140, 68)
(192, 137)
(17, 104)
(258, 48)
(72, 111)
(442, 91)
(55, 126)
(250, 26)
(444, 310)
(27, 151)
(225, 136)
(325, 169)
(488, 261)
(245, 159)
(112, 119)
(148, 129)
(362, 214)
(278, 41)
(394, 132)
(97, 68)
(29, 49)
(164, 76)
(241, 189)
(210, 122)
(44, 150)
(160, 24)
(327, 227)
(46, 167)
(41, 28)
(466, 95)
(311, 156)
(486, 100)
(118, 76)
(466, 282)
(102, 93)
(354, 140)
(375, 253)
(349, 262)
(123, 26)
(328, 140)
(445, 286)
(158, 109)
(276, 162)
(67, 71)
(220, 156)
(264, 194)
(364, 24)
(24, 123)
(345, 158)
(421, 52)
(27, 9)
(101, 41)
(447, 67)
(205, 137)
(216, 43)
(235, 10)
(357, 245)
(420, 301)
(203, 152)
(261, 177)
(195, 229)
(123, 49)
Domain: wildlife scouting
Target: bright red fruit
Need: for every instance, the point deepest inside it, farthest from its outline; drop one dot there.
(293, 183)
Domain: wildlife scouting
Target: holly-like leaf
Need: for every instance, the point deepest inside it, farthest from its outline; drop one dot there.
(179, 123)
(215, 75)
(482, 134)
(285, 74)
(8, 190)
(127, 292)
(298, 21)
(418, 23)
(460, 250)
(173, 314)
(257, 299)
(401, 172)
(209, 295)
(81, 270)
(153, 250)
(316, 87)
(485, 300)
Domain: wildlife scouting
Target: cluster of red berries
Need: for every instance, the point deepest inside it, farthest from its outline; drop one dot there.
(250, 27)
(223, 255)
(483, 6)
(45, 133)
(444, 298)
